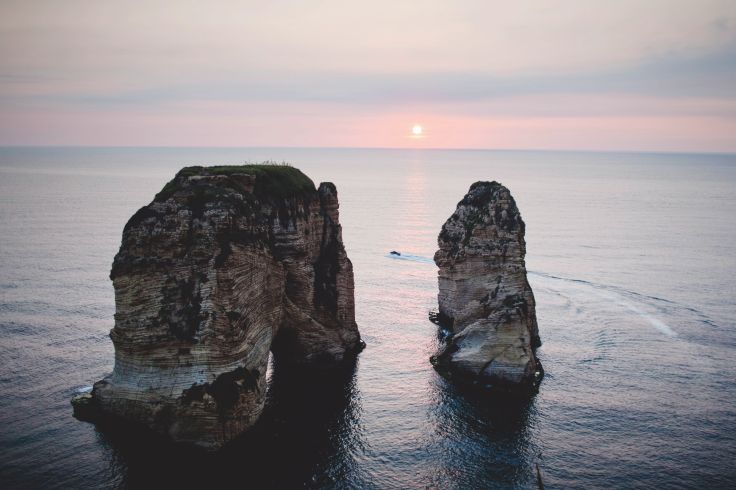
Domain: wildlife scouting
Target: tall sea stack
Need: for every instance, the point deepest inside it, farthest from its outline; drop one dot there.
(225, 265)
(485, 300)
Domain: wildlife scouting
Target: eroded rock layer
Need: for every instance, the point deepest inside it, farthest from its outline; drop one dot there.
(225, 265)
(484, 297)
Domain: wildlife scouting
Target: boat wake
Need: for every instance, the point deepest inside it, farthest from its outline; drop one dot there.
(625, 299)
(410, 257)
(650, 309)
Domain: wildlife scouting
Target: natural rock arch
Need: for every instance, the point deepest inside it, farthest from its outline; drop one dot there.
(226, 264)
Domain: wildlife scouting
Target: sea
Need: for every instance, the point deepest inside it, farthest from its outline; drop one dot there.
(631, 256)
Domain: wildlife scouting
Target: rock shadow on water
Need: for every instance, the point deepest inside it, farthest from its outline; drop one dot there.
(482, 438)
(306, 437)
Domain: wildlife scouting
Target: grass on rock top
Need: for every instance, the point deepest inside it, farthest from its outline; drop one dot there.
(272, 180)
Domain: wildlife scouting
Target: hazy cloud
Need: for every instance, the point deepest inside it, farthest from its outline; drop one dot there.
(430, 58)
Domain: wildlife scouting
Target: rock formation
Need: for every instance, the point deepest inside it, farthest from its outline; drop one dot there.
(485, 300)
(225, 265)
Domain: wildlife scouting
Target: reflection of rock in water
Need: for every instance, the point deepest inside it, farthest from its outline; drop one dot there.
(484, 297)
(310, 423)
(315, 419)
(498, 447)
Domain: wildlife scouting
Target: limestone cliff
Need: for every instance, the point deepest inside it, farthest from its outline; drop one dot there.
(225, 265)
(484, 297)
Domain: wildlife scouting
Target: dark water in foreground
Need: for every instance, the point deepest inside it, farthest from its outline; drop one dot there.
(632, 259)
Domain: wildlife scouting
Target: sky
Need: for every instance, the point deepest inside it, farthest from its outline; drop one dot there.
(644, 75)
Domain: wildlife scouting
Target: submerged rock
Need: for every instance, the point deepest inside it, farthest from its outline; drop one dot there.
(225, 265)
(485, 300)
(84, 407)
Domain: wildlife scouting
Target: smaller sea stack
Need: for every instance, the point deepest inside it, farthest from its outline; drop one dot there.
(485, 300)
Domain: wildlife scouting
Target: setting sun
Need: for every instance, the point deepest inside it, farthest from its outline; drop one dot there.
(416, 130)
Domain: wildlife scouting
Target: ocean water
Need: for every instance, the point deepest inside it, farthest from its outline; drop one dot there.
(632, 258)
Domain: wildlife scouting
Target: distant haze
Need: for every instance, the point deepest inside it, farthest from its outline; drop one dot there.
(654, 75)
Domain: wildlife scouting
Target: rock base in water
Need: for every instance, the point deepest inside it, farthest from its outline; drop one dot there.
(85, 408)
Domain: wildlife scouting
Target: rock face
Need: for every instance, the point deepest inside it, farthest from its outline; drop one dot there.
(225, 265)
(485, 299)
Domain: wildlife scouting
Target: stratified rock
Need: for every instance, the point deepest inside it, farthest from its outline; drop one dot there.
(485, 299)
(226, 264)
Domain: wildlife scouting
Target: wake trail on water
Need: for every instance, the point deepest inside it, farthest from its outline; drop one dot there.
(651, 319)
(623, 298)
(631, 300)
(411, 258)
(618, 296)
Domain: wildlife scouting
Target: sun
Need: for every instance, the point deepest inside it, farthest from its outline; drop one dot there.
(417, 130)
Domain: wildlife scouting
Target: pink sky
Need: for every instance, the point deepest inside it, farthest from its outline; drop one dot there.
(653, 76)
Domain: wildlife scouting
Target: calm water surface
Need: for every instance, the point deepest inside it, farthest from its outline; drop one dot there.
(632, 259)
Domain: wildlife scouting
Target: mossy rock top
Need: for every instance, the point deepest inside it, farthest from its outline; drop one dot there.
(271, 181)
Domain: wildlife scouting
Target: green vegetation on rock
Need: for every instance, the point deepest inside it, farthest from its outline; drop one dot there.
(272, 181)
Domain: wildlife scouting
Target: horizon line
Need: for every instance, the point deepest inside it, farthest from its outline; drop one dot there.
(535, 150)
